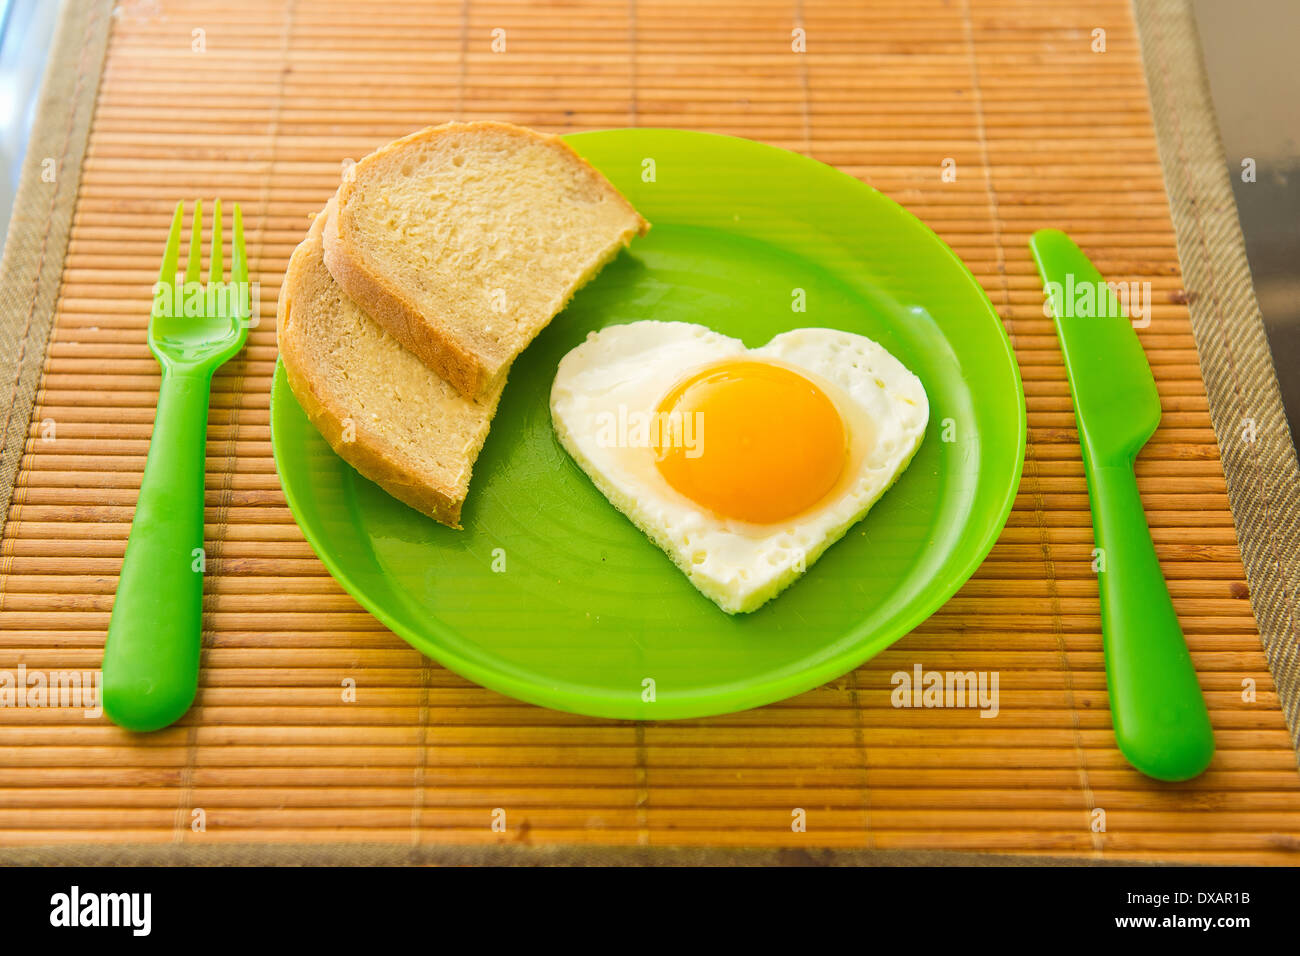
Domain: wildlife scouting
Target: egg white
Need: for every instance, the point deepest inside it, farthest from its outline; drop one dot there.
(627, 369)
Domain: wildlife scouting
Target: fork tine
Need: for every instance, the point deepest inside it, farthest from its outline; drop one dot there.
(215, 253)
(239, 267)
(194, 254)
(167, 275)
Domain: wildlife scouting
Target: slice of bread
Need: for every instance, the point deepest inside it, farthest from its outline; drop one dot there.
(465, 240)
(382, 409)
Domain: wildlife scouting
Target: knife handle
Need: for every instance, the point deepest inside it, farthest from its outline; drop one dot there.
(1161, 722)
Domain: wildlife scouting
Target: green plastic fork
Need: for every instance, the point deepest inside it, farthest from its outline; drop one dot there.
(151, 654)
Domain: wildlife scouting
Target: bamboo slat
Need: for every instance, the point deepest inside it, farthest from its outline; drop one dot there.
(887, 90)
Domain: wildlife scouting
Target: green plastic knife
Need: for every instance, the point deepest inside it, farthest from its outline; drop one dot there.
(1161, 723)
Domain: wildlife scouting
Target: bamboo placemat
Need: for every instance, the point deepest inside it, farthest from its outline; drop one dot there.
(261, 102)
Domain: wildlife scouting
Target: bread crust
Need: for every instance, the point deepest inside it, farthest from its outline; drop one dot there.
(364, 452)
(367, 287)
(425, 335)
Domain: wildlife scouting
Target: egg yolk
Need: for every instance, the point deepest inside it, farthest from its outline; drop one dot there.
(750, 440)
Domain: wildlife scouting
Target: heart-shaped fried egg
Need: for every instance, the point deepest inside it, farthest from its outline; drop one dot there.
(743, 465)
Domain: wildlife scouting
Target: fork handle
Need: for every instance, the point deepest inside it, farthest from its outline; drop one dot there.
(151, 653)
(1161, 722)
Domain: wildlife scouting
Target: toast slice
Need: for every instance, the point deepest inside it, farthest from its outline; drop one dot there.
(382, 409)
(465, 240)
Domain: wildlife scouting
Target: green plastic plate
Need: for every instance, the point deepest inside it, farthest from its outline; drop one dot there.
(551, 596)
